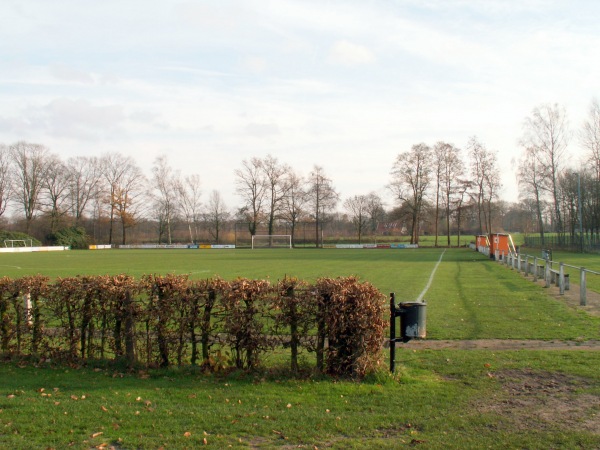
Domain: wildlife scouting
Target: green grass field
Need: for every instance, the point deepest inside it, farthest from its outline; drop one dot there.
(471, 297)
(438, 398)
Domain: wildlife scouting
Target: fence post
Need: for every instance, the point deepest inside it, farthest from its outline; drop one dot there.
(547, 272)
(27, 309)
(582, 288)
(392, 332)
(129, 330)
(561, 278)
(535, 268)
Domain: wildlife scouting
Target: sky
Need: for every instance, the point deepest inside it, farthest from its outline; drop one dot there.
(346, 85)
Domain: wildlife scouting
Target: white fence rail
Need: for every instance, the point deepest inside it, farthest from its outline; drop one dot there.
(552, 272)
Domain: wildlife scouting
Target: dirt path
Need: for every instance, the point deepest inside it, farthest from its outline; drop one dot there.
(500, 344)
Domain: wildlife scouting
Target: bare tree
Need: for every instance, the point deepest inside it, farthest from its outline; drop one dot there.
(375, 210)
(276, 187)
(531, 186)
(590, 137)
(6, 182)
(411, 178)
(486, 180)
(84, 174)
(590, 140)
(322, 197)
(357, 208)
(546, 136)
(462, 192)
(55, 191)
(216, 215)
(448, 169)
(164, 194)
(31, 163)
(252, 188)
(294, 202)
(189, 193)
(125, 185)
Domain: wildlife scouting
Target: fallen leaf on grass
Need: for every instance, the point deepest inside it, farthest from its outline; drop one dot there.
(104, 408)
(99, 433)
(187, 434)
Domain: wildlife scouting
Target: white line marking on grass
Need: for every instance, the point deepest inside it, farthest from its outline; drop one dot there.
(422, 294)
(14, 267)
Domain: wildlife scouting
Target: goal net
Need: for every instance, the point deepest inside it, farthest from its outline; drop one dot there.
(272, 241)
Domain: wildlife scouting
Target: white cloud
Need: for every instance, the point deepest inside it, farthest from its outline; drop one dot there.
(348, 54)
(65, 73)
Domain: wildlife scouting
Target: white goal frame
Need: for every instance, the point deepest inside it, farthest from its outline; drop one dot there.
(13, 241)
(286, 237)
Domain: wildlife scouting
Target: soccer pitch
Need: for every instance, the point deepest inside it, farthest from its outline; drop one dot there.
(405, 270)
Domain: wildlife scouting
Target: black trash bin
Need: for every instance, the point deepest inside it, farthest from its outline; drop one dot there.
(547, 254)
(412, 320)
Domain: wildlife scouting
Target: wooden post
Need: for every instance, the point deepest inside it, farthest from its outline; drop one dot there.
(392, 332)
(561, 278)
(27, 309)
(583, 288)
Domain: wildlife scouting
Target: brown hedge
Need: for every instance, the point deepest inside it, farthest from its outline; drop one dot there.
(164, 320)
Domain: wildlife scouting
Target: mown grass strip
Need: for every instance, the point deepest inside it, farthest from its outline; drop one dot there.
(443, 399)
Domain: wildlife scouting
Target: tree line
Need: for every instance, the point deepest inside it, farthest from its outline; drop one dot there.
(437, 189)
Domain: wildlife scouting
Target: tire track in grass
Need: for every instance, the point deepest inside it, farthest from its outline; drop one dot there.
(422, 294)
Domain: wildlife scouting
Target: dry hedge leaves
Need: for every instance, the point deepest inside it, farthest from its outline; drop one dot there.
(163, 320)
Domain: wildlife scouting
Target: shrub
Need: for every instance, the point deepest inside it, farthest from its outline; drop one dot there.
(4, 235)
(163, 318)
(73, 237)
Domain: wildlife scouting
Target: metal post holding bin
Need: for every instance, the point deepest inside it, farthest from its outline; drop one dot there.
(412, 324)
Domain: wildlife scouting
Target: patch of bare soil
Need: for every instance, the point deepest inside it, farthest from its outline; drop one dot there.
(572, 297)
(543, 401)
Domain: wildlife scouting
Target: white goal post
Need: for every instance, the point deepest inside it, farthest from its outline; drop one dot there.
(18, 242)
(272, 241)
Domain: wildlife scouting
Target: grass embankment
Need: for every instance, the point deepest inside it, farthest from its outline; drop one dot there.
(439, 399)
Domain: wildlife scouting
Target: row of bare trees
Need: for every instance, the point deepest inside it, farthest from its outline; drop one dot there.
(437, 179)
(563, 194)
(35, 181)
(272, 191)
(434, 188)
